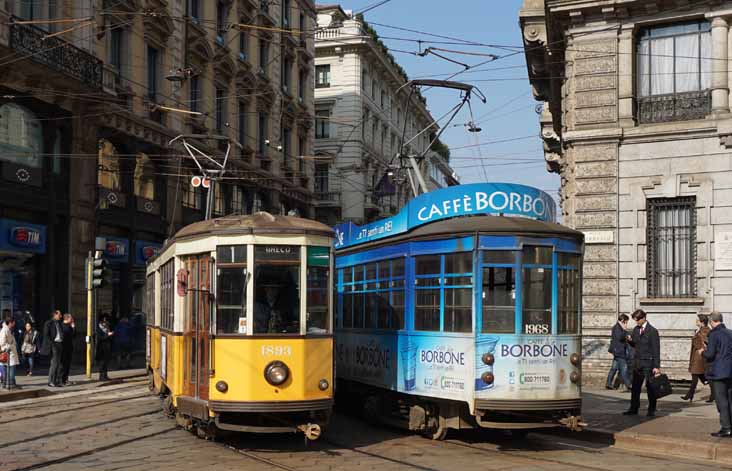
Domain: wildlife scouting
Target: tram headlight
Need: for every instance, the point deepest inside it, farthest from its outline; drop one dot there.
(487, 377)
(276, 373)
(575, 359)
(575, 377)
(323, 384)
(221, 386)
(488, 358)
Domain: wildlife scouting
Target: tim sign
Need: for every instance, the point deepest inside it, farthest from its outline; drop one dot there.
(20, 236)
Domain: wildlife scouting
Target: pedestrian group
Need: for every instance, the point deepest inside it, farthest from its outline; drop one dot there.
(637, 361)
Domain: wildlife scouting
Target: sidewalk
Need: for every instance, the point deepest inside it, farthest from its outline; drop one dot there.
(679, 428)
(37, 385)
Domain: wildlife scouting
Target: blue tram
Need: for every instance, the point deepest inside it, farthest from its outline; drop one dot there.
(461, 311)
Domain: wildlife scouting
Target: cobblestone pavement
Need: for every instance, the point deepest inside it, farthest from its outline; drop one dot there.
(121, 428)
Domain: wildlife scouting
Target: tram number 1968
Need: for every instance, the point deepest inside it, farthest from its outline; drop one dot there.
(536, 329)
(276, 351)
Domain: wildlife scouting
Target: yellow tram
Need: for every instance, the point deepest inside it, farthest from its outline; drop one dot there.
(242, 336)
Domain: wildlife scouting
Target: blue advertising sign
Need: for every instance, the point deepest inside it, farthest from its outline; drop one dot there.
(462, 200)
(116, 250)
(21, 236)
(145, 250)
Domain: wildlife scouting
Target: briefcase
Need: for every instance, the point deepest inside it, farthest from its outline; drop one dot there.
(661, 386)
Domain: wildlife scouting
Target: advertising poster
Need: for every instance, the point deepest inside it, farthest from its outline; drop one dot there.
(526, 367)
(436, 366)
(370, 359)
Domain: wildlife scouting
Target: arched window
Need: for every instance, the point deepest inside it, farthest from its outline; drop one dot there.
(21, 136)
(144, 177)
(108, 167)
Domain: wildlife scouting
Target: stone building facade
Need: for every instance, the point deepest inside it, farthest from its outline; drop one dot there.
(88, 109)
(362, 118)
(636, 121)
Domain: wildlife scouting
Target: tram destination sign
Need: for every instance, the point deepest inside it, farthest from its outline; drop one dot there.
(505, 199)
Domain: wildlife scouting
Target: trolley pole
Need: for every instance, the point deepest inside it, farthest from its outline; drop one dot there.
(89, 313)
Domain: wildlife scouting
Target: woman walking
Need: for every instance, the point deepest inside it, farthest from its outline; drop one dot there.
(29, 348)
(697, 363)
(8, 353)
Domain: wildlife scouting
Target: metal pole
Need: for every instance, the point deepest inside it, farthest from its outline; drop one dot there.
(210, 198)
(418, 174)
(89, 313)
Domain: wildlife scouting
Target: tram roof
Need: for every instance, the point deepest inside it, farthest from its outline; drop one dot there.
(257, 223)
(471, 225)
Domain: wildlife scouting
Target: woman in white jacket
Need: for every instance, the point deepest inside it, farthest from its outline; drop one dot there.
(8, 345)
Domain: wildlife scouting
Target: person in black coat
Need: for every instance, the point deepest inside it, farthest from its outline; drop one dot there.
(52, 346)
(67, 351)
(104, 346)
(718, 355)
(618, 350)
(646, 364)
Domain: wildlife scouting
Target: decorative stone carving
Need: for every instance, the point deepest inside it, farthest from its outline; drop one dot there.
(674, 107)
(595, 98)
(605, 114)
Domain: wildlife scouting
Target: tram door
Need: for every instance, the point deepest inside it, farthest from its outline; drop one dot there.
(196, 336)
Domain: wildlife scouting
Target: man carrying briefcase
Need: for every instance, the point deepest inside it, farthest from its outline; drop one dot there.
(647, 362)
(719, 370)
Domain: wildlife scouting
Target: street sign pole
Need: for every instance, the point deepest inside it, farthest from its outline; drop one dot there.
(89, 304)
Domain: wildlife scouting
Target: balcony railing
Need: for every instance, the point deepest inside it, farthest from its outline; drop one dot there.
(56, 53)
(674, 107)
(328, 196)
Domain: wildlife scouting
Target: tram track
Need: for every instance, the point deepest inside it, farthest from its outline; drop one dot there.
(82, 406)
(34, 403)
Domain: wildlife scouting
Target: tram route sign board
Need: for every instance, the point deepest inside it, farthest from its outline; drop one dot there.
(505, 199)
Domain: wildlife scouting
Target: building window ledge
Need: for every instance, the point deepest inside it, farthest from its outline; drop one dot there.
(671, 301)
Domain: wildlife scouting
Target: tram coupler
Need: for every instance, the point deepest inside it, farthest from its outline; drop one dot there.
(573, 423)
(311, 431)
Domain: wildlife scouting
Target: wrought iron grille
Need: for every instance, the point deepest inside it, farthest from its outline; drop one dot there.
(671, 242)
(56, 53)
(674, 107)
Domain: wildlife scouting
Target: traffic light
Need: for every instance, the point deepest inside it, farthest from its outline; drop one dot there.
(100, 273)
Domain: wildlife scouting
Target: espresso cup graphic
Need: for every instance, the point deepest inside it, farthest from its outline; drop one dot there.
(484, 345)
(409, 366)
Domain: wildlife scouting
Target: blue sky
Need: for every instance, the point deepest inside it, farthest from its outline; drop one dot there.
(510, 108)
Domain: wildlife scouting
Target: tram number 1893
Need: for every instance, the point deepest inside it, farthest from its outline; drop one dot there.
(536, 329)
(276, 351)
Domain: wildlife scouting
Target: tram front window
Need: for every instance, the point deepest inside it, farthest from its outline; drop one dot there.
(499, 300)
(536, 290)
(231, 292)
(277, 290)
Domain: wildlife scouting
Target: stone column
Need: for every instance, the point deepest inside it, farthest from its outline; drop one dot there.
(720, 86)
(625, 78)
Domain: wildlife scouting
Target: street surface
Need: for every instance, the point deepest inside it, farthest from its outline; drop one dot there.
(121, 427)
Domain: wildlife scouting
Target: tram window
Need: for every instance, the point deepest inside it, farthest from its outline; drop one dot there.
(317, 312)
(348, 310)
(397, 268)
(459, 263)
(277, 289)
(371, 310)
(535, 255)
(397, 309)
(499, 299)
(231, 254)
(499, 256)
(166, 296)
(382, 307)
(569, 293)
(458, 310)
(384, 273)
(371, 272)
(427, 270)
(358, 274)
(359, 302)
(427, 310)
(347, 275)
(231, 300)
(536, 289)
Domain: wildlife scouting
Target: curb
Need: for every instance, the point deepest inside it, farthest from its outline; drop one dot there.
(719, 451)
(33, 392)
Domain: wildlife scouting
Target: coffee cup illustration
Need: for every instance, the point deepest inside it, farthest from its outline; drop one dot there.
(409, 365)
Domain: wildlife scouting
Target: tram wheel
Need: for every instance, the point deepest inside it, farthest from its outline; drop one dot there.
(439, 430)
(206, 431)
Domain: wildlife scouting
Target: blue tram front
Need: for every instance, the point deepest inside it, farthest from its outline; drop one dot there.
(463, 310)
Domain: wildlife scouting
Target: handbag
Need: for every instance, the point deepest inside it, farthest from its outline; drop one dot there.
(4, 357)
(661, 386)
(28, 349)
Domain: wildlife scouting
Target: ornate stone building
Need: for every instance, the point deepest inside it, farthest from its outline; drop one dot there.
(88, 107)
(362, 115)
(637, 123)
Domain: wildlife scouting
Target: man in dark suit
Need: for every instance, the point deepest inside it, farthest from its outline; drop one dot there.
(719, 370)
(619, 353)
(647, 362)
(53, 337)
